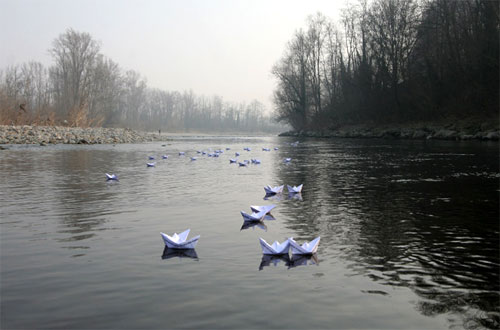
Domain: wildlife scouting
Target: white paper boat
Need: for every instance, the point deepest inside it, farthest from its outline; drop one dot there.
(164, 156)
(255, 216)
(306, 248)
(151, 157)
(193, 158)
(275, 248)
(294, 189)
(228, 148)
(287, 160)
(236, 154)
(255, 161)
(150, 164)
(273, 190)
(180, 241)
(232, 160)
(181, 153)
(242, 164)
(266, 149)
(266, 208)
(198, 151)
(111, 177)
(276, 148)
(216, 155)
(203, 152)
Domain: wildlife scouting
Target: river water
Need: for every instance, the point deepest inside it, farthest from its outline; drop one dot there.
(409, 235)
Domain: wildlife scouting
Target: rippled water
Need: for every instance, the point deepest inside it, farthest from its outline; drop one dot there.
(409, 235)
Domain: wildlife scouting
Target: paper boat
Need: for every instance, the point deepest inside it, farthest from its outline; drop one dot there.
(266, 208)
(276, 148)
(294, 189)
(275, 248)
(180, 241)
(236, 154)
(266, 149)
(228, 148)
(256, 216)
(150, 164)
(181, 153)
(194, 158)
(232, 160)
(164, 156)
(111, 177)
(255, 161)
(287, 160)
(151, 157)
(242, 164)
(273, 190)
(178, 253)
(306, 248)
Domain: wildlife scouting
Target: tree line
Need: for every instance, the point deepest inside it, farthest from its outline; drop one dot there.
(85, 88)
(391, 61)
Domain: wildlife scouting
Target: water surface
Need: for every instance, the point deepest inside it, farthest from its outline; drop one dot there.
(409, 235)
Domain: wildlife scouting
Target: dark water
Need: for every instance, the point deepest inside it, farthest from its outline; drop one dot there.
(409, 236)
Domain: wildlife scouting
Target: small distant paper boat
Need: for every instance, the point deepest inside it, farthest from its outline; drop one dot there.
(275, 248)
(181, 153)
(266, 149)
(294, 189)
(164, 156)
(236, 154)
(228, 148)
(287, 160)
(273, 190)
(255, 161)
(232, 160)
(247, 149)
(306, 248)
(180, 241)
(150, 164)
(193, 158)
(151, 157)
(276, 148)
(203, 152)
(111, 177)
(242, 163)
(198, 151)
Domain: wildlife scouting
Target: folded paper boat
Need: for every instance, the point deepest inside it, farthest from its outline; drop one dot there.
(232, 160)
(273, 190)
(275, 248)
(181, 153)
(194, 158)
(180, 241)
(164, 156)
(150, 164)
(294, 189)
(255, 216)
(266, 208)
(242, 164)
(287, 160)
(306, 248)
(111, 177)
(151, 157)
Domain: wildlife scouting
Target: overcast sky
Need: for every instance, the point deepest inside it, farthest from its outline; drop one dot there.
(214, 47)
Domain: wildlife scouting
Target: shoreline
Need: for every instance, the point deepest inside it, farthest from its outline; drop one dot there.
(451, 132)
(44, 135)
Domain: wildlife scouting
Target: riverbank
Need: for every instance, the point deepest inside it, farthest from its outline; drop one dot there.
(44, 135)
(462, 131)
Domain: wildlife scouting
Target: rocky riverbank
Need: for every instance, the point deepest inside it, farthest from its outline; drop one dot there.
(44, 135)
(485, 132)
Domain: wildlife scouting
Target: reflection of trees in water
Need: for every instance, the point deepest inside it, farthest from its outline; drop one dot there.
(82, 203)
(428, 236)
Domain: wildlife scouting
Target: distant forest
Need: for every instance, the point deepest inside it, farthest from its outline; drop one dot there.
(84, 88)
(392, 61)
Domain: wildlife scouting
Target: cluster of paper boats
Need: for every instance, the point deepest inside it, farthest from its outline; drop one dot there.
(181, 242)
(279, 189)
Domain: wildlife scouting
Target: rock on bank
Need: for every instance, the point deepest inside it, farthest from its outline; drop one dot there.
(70, 135)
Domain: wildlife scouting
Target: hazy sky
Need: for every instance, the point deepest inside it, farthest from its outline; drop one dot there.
(222, 47)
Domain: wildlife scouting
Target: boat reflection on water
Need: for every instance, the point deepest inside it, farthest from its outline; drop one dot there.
(169, 253)
(294, 261)
(253, 224)
(295, 196)
(303, 260)
(273, 197)
(274, 259)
